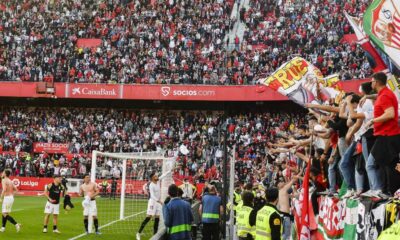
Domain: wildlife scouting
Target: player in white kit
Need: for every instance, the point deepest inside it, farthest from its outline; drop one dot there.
(7, 197)
(89, 190)
(154, 206)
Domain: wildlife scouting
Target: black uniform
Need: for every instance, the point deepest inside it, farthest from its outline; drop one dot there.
(113, 189)
(55, 192)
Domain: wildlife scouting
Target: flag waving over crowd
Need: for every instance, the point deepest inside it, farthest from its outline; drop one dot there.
(375, 60)
(382, 24)
(302, 82)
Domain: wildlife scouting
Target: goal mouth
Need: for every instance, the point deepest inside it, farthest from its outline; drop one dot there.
(123, 201)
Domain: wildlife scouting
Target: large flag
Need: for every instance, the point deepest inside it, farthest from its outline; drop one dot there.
(382, 24)
(375, 60)
(302, 82)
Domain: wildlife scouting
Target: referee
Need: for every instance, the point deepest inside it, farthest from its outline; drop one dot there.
(53, 193)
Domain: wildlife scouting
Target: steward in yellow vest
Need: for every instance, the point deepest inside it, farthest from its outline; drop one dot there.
(245, 231)
(268, 220)
(237, 197)
(391, 233)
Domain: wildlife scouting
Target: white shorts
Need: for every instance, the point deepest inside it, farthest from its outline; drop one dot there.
(52, 208)
(7, 204)
(91, 209)
(153, 208)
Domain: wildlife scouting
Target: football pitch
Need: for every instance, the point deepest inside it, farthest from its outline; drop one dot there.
(29, 212)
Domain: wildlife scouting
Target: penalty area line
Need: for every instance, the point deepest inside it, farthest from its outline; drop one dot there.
(108, 224)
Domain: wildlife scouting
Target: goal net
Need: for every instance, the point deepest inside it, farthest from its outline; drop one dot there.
(122, 179)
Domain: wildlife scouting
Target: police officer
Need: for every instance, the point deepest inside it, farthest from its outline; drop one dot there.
(267, 220)
(209, 211)
(244, 230)
(178, 216)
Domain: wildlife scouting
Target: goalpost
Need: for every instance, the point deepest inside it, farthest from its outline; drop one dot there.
(125, 214)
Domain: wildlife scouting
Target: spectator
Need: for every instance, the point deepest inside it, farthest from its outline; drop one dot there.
(385, 150)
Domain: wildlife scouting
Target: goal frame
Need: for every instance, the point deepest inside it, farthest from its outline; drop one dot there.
(124, 157)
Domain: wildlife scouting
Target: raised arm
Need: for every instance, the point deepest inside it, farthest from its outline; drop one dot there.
(326, 108)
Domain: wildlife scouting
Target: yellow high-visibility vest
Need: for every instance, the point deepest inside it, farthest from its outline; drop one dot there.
(263, 229)
(243, 223)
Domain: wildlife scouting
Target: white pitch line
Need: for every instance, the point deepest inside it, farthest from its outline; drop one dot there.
(108, 224)
(18, 210)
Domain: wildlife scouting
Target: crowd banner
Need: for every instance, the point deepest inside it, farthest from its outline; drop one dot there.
(302, 82)
(390, 16)
(331, 218)
(382, 24)
(376, 62)
(39, 147)
(360, 219)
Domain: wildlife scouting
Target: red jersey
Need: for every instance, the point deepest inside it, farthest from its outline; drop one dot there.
(385, 100)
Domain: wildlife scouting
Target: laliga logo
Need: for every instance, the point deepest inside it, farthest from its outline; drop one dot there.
(30, 183)
(165, 91)
(16, 182)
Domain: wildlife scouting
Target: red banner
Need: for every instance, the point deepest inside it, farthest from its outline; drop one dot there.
(156, 92)
(88, 42)
(30, 183)
(39, 147)
(38, 184)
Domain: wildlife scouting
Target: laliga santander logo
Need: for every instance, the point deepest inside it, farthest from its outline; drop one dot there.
(166, 91)
(19, 183)
(93, 92)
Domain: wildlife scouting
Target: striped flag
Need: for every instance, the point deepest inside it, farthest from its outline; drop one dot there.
(375, 60)
(381, 23)
(396, 30)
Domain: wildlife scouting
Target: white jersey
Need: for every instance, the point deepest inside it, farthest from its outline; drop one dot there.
(368, 110)
(155, 191)
(187, 190)
(154, 208)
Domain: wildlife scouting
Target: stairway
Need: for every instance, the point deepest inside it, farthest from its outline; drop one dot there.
(239, 27)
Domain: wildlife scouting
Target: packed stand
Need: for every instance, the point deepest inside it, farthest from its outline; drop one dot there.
(135, 131)
(172, 42)
(142, 41)
(279, 30)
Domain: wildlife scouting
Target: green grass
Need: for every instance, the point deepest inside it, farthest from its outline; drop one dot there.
(29, 212)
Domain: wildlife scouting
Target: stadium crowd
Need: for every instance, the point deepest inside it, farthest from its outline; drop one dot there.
(142, 41)
(129, 131)
(310, 29)
(172, 42)
(356, 145)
